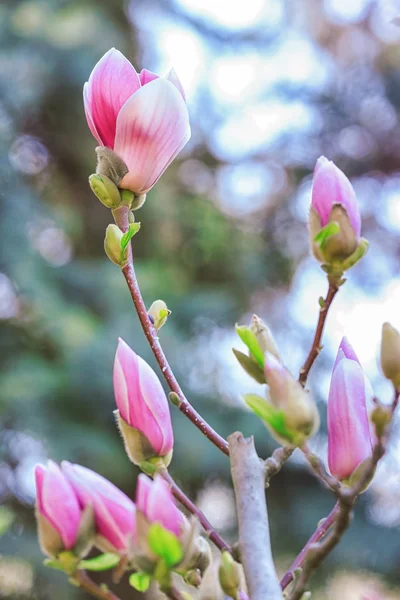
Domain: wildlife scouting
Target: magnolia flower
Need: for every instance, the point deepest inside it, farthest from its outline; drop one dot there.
(350, 435)
(142, 405)
(114, 512)
(155, 501)
(57, 505)
(334, 200)
(142, 117)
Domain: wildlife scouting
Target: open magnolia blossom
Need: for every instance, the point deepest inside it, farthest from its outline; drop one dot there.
(142, 117)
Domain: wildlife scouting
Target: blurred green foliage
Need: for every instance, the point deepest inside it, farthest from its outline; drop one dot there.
(213, 256)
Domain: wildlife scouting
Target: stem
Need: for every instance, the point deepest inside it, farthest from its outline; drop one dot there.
(318, 534)
(319, 469)
(173, 593)
(275, 462)
(316, 345)
(121, 217)
(192, 508)
(254, 538)
(317, 552)
(92, 588)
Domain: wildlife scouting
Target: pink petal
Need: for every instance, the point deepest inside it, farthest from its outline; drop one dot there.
(112, 81)
(88, 114)
(161, 507)
(345, 351)
(173, 78)
(40, 472)
(331, 186)
(146, 76)
(114, 511)
(143, 488)
(349, 441)
(60, 504)
(141, 399)
(152, 128)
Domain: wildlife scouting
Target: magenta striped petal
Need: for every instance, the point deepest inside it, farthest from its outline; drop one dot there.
(349, 441)
(331, 186)
(57, 501)
(112, 81)
(345, 351)
(146, 76)
(115, 513)
(141, 399)
(152, 128)
(143, 488)
(161, 507)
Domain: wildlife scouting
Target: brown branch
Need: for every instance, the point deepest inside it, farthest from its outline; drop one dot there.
(319, 469)
(254, 538)
(121, 217)
(275, 462)
(317, 552)
(318, 534)
(316, 345)
(192, 508)
(85, 582)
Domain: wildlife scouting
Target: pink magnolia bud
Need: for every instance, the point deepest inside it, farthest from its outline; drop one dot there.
(334, 200)
(350, 438)
(142, 118)
(114, 512)
(142, 404)
(57, 502)
(154, 499)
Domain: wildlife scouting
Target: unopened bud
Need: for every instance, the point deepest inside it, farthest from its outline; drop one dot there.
(139, 449)
(158, 313)
(105, 190)
(113, 247)
(264, 336)
(229, 575)
(390, 354)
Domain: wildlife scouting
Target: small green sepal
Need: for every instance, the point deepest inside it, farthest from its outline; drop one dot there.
(103, 562)
(165, 545)
(140, 581)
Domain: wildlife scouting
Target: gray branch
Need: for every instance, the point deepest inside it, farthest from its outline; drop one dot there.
(254, 539)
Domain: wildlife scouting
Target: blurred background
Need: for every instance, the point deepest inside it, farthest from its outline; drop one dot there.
(271, 85)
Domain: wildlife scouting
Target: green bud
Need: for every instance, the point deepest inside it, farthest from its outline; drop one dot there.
(105, 190)
(264, 336)
(229, 575)
(390, 354)
(193, 577)
(112, 246)
(158, 313)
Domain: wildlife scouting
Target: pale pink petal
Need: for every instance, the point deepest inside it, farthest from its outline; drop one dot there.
(345, 351)
(125, 379)
(112, 81)
(173, 78)
(60, 504)
(146, 76)
(40, 472)
(152, 128)
(161, 507)
(88, 114)
(143, 488)
(349, 441)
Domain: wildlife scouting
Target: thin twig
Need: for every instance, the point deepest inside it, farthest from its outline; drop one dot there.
(173, 593)
(121, 219)
(254, 538)
(319, 469)
(188, 504)
(274, 463)
(316, 345)
(319, 533)
(317, 552)
(85, 582)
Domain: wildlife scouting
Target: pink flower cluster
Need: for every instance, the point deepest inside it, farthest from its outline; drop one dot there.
(62, 494)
